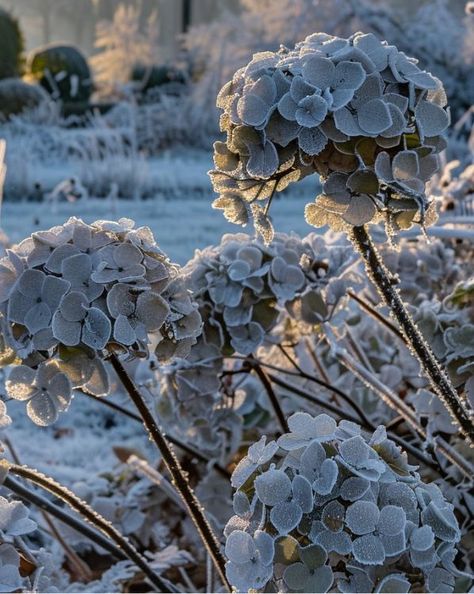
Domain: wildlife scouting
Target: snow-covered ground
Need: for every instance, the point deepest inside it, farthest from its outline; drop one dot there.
(179, 214)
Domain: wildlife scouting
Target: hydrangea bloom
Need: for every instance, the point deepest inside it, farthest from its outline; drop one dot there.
(241, 284)
(325, 493)
(72, 291)
(357, 111)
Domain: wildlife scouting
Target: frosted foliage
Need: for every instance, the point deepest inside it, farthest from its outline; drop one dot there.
(73, 291)
(382, 527)
(357, 111)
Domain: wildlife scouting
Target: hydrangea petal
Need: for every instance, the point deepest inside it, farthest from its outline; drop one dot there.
(368, 550)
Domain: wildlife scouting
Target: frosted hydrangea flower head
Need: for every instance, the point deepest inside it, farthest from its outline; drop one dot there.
(326, 493)
(356, 111)
(242, 284)
(73, 292)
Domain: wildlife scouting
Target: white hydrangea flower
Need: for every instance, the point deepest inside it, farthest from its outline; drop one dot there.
(70, 293)
(331, 105)
(242, 284)
(342, 511)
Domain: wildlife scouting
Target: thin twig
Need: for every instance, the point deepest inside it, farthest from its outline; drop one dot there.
(370, 309)
(272, 397)
(396, 403)
(81, 568)
(178, 475)
(415, 452)
(319, 382)
(92, 517)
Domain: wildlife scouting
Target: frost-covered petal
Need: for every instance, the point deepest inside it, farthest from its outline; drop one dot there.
(73, 306)
(97, 329)
(361, 210)
(394, 583)
(399, 122)
(348, 75)
(263, 161)
(265, 546)
(120, 300)
(78, 266)
(393, 544)
(431, 118)
(18, 307)
(333, 516)
(124, 332)
(30, 283)
(19, 384)
(42, 409)
(66, 332)
(53, 290)
(311, 111)
(55, 261)
(38, 317)
(354, 450)
(362, 517)
(318, 71)
(272, 487)
(302, 493)
(285, 516)
(239, 270)
(354, 487)
(152, 310)
(320, 580)
(312, 141)
(312, 458)
(287, 107)
(383, 167)
(405, 165)
(373, 48)
(324, 484)
(245, 339)
(392, 520)
(368, 550)
(374, 117)
(440, 580)
(252, 110)
(442, 521)
(422, 538)
(346, 123)
(339, 542)
(127, 255)
(240, 547)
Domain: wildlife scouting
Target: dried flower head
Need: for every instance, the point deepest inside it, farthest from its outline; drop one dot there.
(356, 111)
(325, 505)
(70, 293)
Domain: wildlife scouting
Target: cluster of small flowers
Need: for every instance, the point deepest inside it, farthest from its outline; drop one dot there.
(241, 285)
(246, 293)
(357, 111)
(72, 291)
(322, 494)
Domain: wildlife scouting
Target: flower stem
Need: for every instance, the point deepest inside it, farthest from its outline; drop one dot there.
(92, 517)
(439, 380)
(266, 383)
(178, 476)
